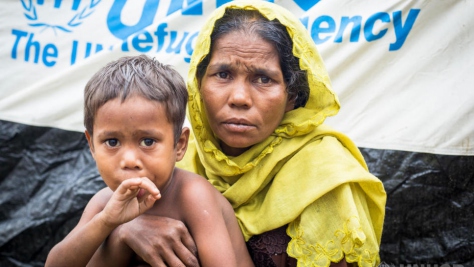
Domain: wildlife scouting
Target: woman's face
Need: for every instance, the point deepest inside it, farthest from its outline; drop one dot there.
(243, 91)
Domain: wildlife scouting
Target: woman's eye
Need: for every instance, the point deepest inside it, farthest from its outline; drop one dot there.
(147, 142)
(222, 75)
(263, 79)
(112, 142)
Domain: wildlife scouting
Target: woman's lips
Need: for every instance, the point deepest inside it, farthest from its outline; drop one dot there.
(238, 125)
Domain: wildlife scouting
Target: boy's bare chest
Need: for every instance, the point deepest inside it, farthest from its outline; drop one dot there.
(169, 205)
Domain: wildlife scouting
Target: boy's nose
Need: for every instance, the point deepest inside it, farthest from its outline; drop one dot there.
(131, 160)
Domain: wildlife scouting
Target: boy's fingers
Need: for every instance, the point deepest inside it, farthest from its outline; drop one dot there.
(148, 201)
(129, 184)
(150, 188)
(138, 187)
(128, 188)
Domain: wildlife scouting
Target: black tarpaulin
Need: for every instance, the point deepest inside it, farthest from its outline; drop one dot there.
(47, 176)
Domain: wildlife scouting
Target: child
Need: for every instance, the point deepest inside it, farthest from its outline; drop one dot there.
(134, 113)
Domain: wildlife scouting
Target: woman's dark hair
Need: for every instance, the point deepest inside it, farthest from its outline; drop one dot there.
(251, 21)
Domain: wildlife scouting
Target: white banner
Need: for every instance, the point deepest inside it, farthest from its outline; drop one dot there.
(403, 70)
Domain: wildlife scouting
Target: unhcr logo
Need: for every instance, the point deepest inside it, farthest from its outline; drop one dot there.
(151, 32)
(79, 11)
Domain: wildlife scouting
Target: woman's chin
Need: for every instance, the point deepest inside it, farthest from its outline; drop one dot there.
(234, 148)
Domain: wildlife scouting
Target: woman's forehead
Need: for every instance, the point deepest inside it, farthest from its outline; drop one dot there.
(243, 44)
(234, 51)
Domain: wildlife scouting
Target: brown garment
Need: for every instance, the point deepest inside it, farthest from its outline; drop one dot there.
(269, 249)
(266, 250)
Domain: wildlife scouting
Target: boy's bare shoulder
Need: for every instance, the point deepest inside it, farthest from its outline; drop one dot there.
(95, 205)
(187, 175)
(194, 187)
(200, 202)
(100, 199)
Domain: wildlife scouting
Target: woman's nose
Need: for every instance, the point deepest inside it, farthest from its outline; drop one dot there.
(240, 94)
(130, 159)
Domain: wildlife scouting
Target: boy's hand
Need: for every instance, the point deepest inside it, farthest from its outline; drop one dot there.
(133, 197)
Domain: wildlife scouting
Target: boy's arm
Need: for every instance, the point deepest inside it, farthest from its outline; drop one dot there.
(111, 253)
(80, 244)
(104, 212)
(212, 223)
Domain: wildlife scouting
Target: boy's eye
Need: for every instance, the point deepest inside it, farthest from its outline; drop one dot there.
(147, 142)
(112, 142)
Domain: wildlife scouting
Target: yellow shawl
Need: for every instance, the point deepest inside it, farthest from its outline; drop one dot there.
(304, 175)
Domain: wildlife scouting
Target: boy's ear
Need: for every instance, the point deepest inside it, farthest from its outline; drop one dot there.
(91, 144)
(182, 144)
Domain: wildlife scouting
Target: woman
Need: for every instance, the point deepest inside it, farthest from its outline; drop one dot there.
(259, 94)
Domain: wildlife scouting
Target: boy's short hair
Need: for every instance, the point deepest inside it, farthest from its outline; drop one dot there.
(142, 76)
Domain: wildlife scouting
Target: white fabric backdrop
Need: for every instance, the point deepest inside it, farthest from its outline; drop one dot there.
(403, 70)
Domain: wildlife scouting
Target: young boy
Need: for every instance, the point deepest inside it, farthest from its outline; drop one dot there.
(134, 113)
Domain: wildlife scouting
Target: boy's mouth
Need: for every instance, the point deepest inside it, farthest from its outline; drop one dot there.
(141, 192)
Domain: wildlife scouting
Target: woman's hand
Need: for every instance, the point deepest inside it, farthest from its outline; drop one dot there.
(159, 240)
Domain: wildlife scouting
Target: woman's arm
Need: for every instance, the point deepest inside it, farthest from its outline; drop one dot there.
(158, 239)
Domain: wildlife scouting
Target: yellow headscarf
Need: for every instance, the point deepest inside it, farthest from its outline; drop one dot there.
(304, 175)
